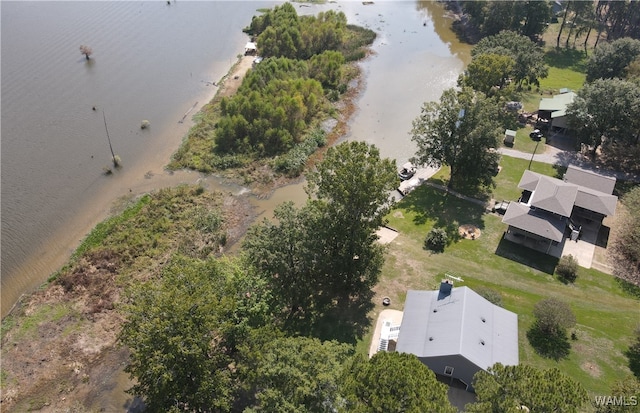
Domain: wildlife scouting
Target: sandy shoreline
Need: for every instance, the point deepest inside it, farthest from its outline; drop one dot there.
(132, 180)
(105, 379)
(96, 353)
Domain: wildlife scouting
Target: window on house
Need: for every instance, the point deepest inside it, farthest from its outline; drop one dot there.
(448, 371)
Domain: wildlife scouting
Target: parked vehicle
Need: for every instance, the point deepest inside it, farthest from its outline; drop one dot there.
(407, 171)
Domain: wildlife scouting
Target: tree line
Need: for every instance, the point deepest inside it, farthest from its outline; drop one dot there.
(605, 19)
(282, 96)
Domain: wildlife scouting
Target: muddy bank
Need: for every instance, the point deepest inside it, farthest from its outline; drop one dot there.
(94, 379)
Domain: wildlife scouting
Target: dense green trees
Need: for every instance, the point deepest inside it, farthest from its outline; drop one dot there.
(611, 20)
(611, 60)
(284, 94)
(614, 126)
(509, 388)
(201, 333)
(624, 251)
(269, 120)
(327, 69)
(459, 131)
(296, 374)
(182, 329)
(489, 73)
(528, 18)
(349, 197)
(528, 67)
(393, 382)
(282, 33)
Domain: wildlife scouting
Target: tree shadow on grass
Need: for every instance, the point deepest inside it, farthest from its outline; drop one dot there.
(566, 59)
(554, 346)
(633, 354)
(446, 210)
(527, 256)
(345, 321)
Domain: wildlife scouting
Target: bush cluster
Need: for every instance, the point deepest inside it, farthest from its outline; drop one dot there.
(292, 163)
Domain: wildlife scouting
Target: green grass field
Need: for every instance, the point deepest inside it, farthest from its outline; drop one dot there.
(606, 314)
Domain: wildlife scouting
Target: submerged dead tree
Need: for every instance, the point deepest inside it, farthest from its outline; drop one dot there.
(86, 51)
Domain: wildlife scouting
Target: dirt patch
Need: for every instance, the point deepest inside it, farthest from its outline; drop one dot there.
(230, 83)
(469, 231)
(591, 368)
(61, 353)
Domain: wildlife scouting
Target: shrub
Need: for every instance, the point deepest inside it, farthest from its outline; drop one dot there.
(548, 334)
(567, 268)
(293, 162)
(436, 240)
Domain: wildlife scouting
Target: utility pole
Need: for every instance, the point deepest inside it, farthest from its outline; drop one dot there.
(113, 155)
(533, 154)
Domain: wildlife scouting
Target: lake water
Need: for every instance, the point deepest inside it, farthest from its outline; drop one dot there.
(150, 61)
(153, 61)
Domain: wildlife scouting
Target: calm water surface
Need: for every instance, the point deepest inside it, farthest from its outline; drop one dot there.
(152, 61)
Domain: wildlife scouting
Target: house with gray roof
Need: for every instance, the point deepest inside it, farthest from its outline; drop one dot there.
(551, 209)
(456, 332)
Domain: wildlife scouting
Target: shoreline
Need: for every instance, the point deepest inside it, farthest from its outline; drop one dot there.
(148, 174)
(98, 378)
(105, 379)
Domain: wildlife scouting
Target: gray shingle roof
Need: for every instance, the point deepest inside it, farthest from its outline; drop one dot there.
(588, 179)
(554, 195)
(534, 221)
(529, 180)
(463, 323)
(583, 188)
(596, 201)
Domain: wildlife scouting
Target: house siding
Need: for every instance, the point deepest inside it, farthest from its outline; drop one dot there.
(463, 369)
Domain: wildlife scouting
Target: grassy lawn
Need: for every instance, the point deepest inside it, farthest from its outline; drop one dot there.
(524, 143)
(510, 174)
(566, 70)
(606, 313)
